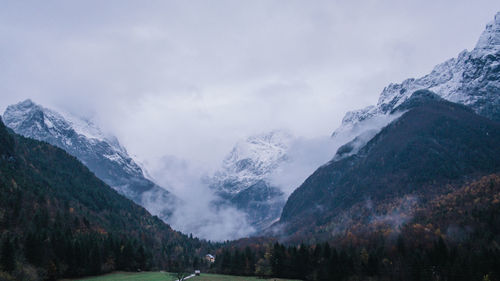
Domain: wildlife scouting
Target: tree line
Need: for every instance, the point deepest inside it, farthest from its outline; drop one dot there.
(438, 261)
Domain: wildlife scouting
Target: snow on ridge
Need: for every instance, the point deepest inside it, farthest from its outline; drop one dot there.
(489, 41)
(252, 160)
(89, 130)
(263, 149)
(57, 122)
(48, 123)
(452, 80)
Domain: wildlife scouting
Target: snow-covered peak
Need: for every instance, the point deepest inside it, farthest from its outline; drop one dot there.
(258, 154)
(77, 136)
(48, 121)
(243, 181)
(254, 159)
(472, 79)
(489, 41)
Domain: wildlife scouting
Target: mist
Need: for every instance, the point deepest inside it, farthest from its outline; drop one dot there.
(197, 212)
(305, 155)
(200, 211)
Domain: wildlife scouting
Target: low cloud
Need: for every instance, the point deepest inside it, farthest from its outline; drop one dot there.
(201, 212)
(401, 213)
(305, 155)
(197, 213)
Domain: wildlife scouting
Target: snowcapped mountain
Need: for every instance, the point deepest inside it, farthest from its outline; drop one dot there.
(253, 159)
(472, 79)
(428, 136)
(101, 153)
(243, 180)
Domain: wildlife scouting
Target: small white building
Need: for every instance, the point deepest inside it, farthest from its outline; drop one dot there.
(210, 258)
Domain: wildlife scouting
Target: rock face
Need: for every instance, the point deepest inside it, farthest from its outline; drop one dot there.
(102, 154)
(243, 179)
(472, 79)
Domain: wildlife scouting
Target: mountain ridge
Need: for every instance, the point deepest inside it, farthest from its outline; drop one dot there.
(472, 79)
(101, 153)
(468, 85)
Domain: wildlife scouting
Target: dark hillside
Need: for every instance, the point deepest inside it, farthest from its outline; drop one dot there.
(57, 219)
(453, 237)
(433, 144)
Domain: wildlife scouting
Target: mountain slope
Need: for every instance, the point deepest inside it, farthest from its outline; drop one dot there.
(57, 219)
(244, 182)
(102, 154)
(472, 79)
(433, 143)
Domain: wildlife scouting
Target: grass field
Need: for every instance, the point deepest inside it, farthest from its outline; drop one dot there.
(217, 277)
(132, 276)
(165, 276)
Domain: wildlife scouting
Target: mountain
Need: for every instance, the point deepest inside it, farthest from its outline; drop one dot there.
(102, 154)
(243, 181)
(57, 219)
(433, 144)
(372, 167)
(472, 79)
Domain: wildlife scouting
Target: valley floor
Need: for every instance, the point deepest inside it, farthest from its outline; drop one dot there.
(130, 276)
(166, 276)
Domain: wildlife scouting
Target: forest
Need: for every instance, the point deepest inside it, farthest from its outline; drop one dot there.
(454, 237)
(58, 220)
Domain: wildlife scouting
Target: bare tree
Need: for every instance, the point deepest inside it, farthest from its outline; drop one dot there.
(180, 272)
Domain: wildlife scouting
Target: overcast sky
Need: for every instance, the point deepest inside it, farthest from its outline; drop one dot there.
(189, 78)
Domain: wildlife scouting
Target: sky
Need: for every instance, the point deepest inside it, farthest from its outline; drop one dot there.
(189, 78)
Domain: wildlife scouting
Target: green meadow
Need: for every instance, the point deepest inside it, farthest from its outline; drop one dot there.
(165, 276)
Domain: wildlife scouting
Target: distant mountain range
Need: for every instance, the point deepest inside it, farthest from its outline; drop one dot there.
(101, 153)
(375, 164)
(413, 194)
